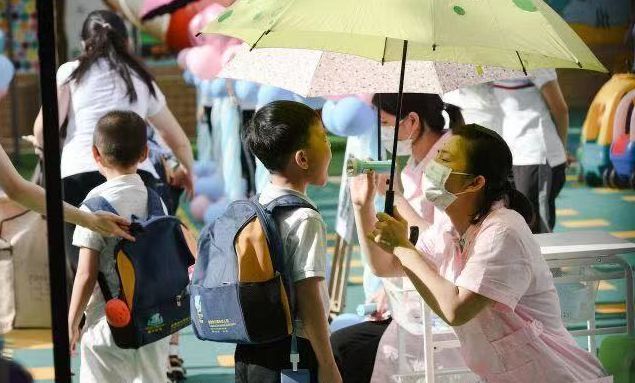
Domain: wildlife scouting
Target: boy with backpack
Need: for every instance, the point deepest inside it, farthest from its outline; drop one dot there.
(119, 145)
(289, 139)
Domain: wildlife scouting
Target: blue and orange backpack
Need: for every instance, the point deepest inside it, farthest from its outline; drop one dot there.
(153, 276)
(241, 290)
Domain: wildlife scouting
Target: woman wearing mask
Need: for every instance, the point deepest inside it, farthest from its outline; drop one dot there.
(421, 133)
(479, 269)
(106, 77)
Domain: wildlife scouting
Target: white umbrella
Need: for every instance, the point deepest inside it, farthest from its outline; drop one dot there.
(312, 73)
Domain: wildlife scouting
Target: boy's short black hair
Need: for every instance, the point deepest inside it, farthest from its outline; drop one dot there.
(277, 130)
(121, 137)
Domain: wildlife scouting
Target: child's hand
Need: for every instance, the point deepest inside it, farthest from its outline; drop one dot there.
(363, 189)
(329, 374)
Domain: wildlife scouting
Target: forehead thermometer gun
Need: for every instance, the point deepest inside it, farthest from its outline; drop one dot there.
(355, 167)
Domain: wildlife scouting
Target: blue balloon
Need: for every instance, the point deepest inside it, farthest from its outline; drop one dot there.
(190, 79)
(353, 117)
(218, 88)
(312, 102)
(268, 94)
(328, 113)
(345, 320)
(204, 169)
(211, 187)
(214, 211)
(6, 72)
(247, 93)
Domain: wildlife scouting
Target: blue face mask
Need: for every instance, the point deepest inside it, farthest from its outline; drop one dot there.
(434, 178)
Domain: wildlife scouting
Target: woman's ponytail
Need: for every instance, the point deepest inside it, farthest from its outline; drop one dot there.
(105, 37)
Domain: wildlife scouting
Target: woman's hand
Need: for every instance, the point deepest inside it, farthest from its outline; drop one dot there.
(363, 189)
(108, 224)
(390, 232)
(74, 336)
(182, 178)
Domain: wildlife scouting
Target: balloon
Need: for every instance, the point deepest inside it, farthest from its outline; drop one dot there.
(211, 187)
(203, 61)
(345, 320)
(199, 21)
(353, 117)
(312, 102)
(231, 48)
(268, 94)
(177, 36)
(246, 93)
(6, 72)
(328, 111)
(190, 79)
(181, 58)
(218, 88)
(198, 207)
(215, 210)
(204, 168)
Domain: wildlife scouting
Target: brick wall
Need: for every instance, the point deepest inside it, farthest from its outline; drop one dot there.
(180, 98)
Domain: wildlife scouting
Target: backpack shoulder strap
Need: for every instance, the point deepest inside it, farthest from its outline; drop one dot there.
(155, 205)
(96, 204)
(287, 202)
(99, 203)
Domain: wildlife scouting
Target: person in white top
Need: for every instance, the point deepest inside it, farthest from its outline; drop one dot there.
(107, 77)
(478, 105)
(535, 126)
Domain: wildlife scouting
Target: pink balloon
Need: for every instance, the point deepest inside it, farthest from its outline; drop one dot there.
(230, 51)
(203, 18)
(367, 98)
(181, 58)
(198, 206)
(204, 62)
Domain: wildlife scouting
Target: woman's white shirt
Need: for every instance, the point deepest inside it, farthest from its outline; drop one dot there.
(100, 91)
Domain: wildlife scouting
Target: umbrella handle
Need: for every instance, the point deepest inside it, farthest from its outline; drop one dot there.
(389, 208)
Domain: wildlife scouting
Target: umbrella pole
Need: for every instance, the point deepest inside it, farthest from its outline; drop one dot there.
(390, 194)
(379, 127)
(57, 257)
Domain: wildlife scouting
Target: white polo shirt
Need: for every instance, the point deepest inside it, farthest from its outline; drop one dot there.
(528, 127)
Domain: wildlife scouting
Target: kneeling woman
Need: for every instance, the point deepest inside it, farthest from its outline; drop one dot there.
(479, 269)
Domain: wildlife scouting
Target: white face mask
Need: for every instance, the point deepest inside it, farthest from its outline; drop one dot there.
(404, 147)
(434, 178)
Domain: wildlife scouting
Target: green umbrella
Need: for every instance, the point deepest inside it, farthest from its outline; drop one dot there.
(504, 33)
(520, 34)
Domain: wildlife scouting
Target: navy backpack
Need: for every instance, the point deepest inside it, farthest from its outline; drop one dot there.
(153, 275)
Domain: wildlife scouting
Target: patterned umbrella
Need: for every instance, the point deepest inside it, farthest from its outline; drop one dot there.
(312, 73)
